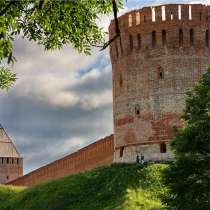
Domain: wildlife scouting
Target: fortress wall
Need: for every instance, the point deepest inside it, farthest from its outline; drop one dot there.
(10, 169)
(143, 22)
(97, 154)
(162, 52)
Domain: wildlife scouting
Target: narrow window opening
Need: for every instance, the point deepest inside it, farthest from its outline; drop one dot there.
(7, 177)
(137, 159)
(137, 110)
(7, 160)
(163, 9)
(117, 52)
(17, 161)
(163, 37)
(139, 40)
(188, 107)
(121, 80)
(191, 37)
(172, 16)
(121, 151)
(12, 160)
(145, 19)
(121, 48)
(181, 37)
(160, 73)
(138, 18)
(179, 12)
(153, 39)
(142, 158)
(130, 20)
(200, 16)
(131, 42)
(153, 15)
(190, 12)
(207, 38)
(163, 148)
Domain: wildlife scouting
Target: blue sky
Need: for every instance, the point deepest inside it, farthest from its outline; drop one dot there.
(62, 100)
(142, 3)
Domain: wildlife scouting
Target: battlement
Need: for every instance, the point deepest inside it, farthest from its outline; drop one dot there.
(165, 26)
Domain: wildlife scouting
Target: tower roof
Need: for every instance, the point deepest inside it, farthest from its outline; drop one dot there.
(7, 148)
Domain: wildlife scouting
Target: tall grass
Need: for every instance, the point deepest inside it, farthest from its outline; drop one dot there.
(120, 186)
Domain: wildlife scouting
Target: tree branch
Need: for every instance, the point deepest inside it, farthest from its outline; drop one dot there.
(117, 28)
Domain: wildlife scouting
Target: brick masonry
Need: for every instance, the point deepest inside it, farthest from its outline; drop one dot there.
(150, 152)
(97, 154)
(162, 53)
(10, 169)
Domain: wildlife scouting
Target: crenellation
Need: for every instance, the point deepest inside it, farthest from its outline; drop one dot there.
(154, 77)
(158, 14)
(190, 12)
(146, 15)
(153, 14)
(172, 12)
(163, 13)
(130, 20)
(138, 17)
(150, 33)
(185, 12)
(162, 52)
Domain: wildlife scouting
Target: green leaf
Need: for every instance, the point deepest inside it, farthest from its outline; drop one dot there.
(7, 78)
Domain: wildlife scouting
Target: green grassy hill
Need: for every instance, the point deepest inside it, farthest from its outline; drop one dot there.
(120, 187)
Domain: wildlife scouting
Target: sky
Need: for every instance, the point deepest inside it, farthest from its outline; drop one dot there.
(62, 100)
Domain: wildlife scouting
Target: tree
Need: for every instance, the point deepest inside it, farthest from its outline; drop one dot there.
(51, 23)
(188, 177)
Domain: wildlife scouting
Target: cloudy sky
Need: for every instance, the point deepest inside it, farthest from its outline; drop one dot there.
(62, 100)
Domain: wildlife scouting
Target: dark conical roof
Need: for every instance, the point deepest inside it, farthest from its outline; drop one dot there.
(7, 148)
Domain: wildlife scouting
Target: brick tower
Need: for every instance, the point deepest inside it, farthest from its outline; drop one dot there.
(162, 53)
(11, 163)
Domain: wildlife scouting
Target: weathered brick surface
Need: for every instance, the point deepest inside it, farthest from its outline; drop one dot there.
(156, 63)
(150, 151)
(152, 71)
(10, 170)
(97, 154)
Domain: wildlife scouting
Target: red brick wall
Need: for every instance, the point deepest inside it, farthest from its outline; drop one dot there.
(146, 105)
(97, 154)
(10, 170)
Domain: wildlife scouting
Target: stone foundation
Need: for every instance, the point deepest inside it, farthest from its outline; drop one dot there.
(150, 152)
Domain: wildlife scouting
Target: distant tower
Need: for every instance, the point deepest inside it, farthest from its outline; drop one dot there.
(11, 163)
(163, 52)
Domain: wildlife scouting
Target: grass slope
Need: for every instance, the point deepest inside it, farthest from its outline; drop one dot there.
(120, 186)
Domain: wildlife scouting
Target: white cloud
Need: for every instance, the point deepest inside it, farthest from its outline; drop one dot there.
(62, 100)
(49, 110)
(49, 77)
